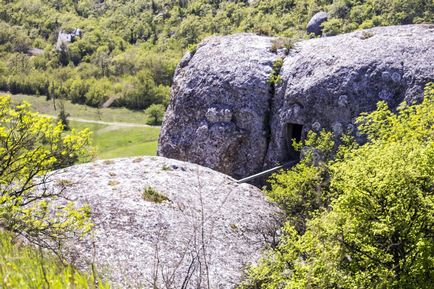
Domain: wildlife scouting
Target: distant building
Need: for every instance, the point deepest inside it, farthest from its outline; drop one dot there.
(64, 38)
(35, 51)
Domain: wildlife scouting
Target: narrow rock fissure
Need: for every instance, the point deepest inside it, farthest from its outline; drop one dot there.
(274, 80)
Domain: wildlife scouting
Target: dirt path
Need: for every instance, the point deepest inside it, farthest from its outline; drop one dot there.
(118, 124)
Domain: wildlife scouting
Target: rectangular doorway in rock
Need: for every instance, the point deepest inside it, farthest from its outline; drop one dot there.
(293, 131)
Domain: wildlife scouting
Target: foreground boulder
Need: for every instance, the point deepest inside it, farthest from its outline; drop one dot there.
(167, 223)
(225, 114)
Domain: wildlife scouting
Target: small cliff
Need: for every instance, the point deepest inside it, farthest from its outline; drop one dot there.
(225, 114)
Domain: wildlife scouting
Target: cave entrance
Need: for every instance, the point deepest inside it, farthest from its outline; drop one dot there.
(293, 131)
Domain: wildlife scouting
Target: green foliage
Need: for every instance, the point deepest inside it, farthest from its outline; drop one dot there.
(126, 42)
(155, 114)
(302, 191)
(275, 77)
(26, 267)
(349, 15)
(63, 117)
(152, 195)
(376, 227)
(30, 147)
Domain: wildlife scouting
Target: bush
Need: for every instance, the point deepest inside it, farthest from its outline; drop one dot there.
(155, 114)
(152, 195)
(378, 231)
(30, 147)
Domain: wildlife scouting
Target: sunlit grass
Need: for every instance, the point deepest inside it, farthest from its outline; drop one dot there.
(114, 142)
(27, 267)
(41, 105)
(110, 141)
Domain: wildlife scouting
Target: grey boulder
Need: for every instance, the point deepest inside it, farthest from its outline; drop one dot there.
(203, 233)
(219, 99)
(314, 24)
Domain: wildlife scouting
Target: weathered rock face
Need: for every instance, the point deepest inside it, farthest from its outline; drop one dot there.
(326, 83)
(202, 236)
(219, 103)
(314, 25)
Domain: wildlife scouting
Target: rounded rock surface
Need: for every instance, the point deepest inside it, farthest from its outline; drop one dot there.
(314, 25)
(206, 221)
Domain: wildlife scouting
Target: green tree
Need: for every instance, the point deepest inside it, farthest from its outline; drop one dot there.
(378, 231)
(31, 147)
(155, 114)
(63, 117)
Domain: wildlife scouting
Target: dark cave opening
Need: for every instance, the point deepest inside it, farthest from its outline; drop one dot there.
(293, 132)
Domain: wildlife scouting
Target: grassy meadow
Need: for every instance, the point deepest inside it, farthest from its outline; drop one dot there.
(116, 132)
(113, 141)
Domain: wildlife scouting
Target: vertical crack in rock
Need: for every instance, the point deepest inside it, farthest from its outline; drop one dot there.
(274, 80)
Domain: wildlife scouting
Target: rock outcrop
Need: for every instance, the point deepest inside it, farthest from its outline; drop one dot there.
(219, 102)
(226, 115)
(314, 25)
(167, 223)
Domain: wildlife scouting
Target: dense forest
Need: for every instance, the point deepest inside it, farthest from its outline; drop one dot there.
(126, 51)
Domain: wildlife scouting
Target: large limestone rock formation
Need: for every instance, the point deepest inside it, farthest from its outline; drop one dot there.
(224, 113)
(203, 234)
(328, 82)
(219, 102)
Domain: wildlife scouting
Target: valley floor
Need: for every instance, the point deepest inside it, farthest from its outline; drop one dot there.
(117, 132)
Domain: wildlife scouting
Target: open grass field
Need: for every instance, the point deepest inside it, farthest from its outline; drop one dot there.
(113, 141)
(117, 132)
(41, 105)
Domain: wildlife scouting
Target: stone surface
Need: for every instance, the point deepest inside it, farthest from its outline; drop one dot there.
(314, 25)
(219, 104)
(332, 80)
(326, 83)
(204, 235)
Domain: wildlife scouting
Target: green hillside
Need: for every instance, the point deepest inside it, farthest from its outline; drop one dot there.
(353, 215)
(128, 50)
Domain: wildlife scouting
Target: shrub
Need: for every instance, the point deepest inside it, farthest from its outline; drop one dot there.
(30, 147)
(155, 114)
(332, 27)
(282, 43)
(378, 231)
(152, 195)
(63, 117)
(275, 77)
